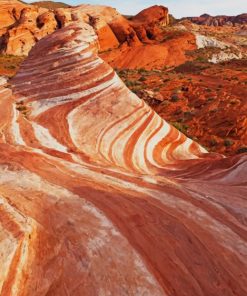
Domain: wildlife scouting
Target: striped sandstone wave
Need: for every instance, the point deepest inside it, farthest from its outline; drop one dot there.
(100, 196)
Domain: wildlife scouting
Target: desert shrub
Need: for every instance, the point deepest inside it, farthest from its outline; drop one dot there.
(213, 142)
(242, 150)
(188, 113)
(185, 88)
(132, 83)
(141, 70)
(174, 98)
(142, 78)
(189, 67)
(210, 99)
(201, 59)
(213, 110)
(177, 112)
(179, 126)
(227, 143)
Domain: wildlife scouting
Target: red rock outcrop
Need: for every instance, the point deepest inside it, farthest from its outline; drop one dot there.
(149, 22)
(111, 27)
(99, 195)
(34, 23)
(10, 12)
(121, 41)
(171, 52)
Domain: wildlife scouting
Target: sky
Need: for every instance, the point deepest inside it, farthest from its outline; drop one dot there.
(179, 8)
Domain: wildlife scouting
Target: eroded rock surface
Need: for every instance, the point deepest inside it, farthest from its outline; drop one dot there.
(112, 28)
(34, 23)
(10, 12)
(100, 196)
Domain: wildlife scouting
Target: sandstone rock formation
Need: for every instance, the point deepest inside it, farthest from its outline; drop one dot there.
(121, 40)
(112, 28)
(149, 22)
(171, 52)
(100, 196)
(34, 23)
(10, 12)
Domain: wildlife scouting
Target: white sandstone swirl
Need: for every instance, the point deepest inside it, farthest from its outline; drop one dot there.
(70, 219)
(100, 116)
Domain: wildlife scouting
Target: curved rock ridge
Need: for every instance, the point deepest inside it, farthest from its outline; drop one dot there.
(100, 196)
(119, 130)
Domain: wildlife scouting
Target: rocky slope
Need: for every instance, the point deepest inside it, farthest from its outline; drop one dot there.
(99, 195)
(206, 101)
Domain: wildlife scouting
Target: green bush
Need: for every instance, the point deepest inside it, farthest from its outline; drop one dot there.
(174, 98)
(227, 143)
(213, 142)
(142, 78)
(242, 150)
(188, 113)
(181, 127)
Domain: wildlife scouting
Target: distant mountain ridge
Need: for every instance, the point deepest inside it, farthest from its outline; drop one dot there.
(219, 20)
(50, 4)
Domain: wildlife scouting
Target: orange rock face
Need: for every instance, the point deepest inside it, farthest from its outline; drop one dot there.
(33, 24)
(112, 28)
(121, 41)
(99, 195)
(149, 22)
(154, 55)
(148, 45)
(10, 12)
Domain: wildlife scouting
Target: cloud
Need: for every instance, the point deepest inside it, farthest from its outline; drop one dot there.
(178, 8)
